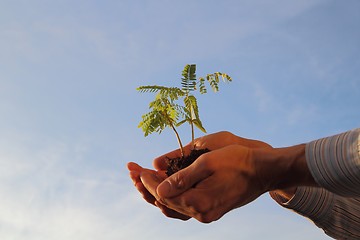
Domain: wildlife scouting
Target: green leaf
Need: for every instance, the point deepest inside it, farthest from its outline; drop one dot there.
(181, 122)
(188, 81)
(202, 87)
(165, 110)
(226, 78)
(199, 125)
(189, 72)
(152, 122)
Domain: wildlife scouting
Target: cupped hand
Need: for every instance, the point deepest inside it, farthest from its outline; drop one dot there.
(214, 184)
(212, 142)
(153, 179)
(210, 187)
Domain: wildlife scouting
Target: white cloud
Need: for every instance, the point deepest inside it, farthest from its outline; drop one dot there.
(48, 192)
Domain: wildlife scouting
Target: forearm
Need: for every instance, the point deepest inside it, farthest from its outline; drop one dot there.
(283, 168)
(333, 163)
(334, 205)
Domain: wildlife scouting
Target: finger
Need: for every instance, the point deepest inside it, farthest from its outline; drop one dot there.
(135, 173)
(205, 202)
(150, 181)
(145, 193)
(171, 213)
(184, 179)
(161, 162)
(253, 143)
(134, 166)
(135, 177)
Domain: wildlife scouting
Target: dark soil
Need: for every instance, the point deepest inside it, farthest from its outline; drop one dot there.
(176, 164)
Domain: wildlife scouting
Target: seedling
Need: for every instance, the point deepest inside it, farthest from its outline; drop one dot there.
(167, 112)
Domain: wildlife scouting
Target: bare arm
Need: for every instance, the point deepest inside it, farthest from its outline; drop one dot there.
(229, 177)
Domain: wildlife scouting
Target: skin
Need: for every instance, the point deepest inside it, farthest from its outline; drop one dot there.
(234, 173)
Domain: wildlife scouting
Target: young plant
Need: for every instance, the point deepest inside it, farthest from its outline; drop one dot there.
(165, 111)
(189, 84)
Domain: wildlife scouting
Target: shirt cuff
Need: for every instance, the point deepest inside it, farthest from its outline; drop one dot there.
(334, 162)
(313, 203)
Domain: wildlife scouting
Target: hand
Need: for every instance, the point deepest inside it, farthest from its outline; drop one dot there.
(211, 141)
(235, 172)
(214, 184)
(157, 177)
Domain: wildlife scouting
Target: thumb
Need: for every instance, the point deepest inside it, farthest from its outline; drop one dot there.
(184, 179)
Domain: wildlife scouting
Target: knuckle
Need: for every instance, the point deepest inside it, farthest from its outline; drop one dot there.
(209, 217)
(187, 203)
(197, 206)
(179, 180)
(225, 133)
(204, 218)
(162, 201)
(166, 212)
(203, 207)
(206, 163)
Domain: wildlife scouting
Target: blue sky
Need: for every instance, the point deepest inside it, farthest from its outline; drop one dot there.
(69, 109)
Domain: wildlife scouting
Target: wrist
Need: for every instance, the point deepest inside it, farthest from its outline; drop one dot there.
(281, 168)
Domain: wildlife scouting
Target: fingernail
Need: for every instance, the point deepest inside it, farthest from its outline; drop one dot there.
(164, 189)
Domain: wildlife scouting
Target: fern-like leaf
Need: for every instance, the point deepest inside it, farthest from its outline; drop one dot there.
(165, 92)
(192, 112)
(202, 87)
(188, 81)
(189, 71)
(199, 125)
(164, 110)
(151, 89)
(225, 77)
(212, 81)
(152, 122)
(178, 124)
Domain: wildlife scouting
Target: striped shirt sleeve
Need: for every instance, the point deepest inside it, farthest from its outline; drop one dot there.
(337, 216)
(334, 206)
(334, 162)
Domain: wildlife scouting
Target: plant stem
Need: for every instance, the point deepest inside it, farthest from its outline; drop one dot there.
(179, 141)
(176, 133)
(192, 135)
(192, 127)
